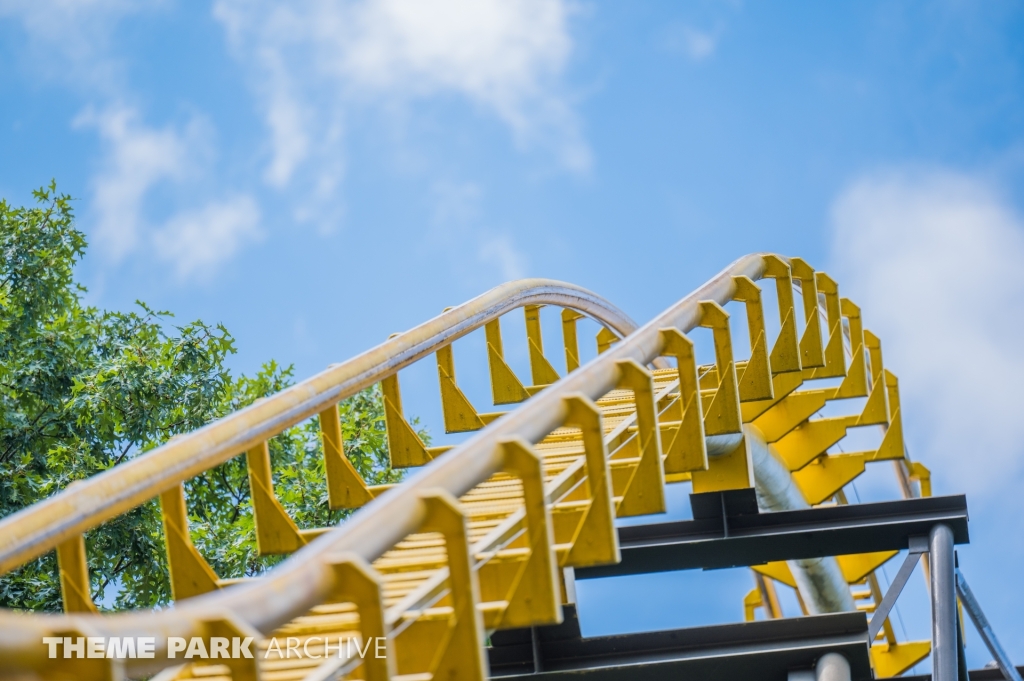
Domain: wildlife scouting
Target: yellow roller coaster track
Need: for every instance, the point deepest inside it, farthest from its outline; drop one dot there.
(484, 537)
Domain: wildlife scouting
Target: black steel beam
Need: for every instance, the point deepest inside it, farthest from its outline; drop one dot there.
(987, 674)
(753, 651)
(755, 538)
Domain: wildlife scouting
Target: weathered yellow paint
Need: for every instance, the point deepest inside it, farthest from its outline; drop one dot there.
(835, 358)
(459, 655)
(74, 576)
(777, 570)
(734, 470)
(537, 503)
(605, 339)
(459, 414)
(506, 388)
(722, 412)
(785, 356)
(595, 541)
(811, 353)
(894, 659)
(345, 487)
(355, 581)
(532, 596)
(645, 491)
(570, 340)
(542, 371)
(686, 451)
(755, 381)
(807, 442)
(405, 448)
(821, 479)
(190, 574)
(276, 532)
(857, 566)
(790, 413)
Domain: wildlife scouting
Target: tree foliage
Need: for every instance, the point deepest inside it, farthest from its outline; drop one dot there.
(84, 389)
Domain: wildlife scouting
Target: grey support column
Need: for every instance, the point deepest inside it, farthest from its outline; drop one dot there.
(819, 580)
(832, 667)
(973, 609)
(944, 646)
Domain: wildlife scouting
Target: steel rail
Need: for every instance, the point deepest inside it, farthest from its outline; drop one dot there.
(305, 579)
(41, 527)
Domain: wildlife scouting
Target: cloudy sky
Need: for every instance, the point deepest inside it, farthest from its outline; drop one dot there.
(318, 175)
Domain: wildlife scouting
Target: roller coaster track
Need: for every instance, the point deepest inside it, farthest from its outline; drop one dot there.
(486, 535)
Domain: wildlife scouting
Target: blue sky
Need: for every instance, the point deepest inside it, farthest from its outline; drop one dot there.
(321, 175)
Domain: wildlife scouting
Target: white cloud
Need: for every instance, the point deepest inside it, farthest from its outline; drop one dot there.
(309, 65)
(500, 252)
(934, 258)
(286, 119)
(456, 203)
(458, 207)
(70, 42)
(311, 61)
(138, 157)
(139, 160)
(195, 242)
(69, 39)
(694, 43)
(495, 51)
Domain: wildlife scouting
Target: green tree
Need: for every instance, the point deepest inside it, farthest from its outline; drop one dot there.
(84, 389)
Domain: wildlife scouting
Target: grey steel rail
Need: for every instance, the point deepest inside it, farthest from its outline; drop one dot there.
(305, 579)
(33, 531)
